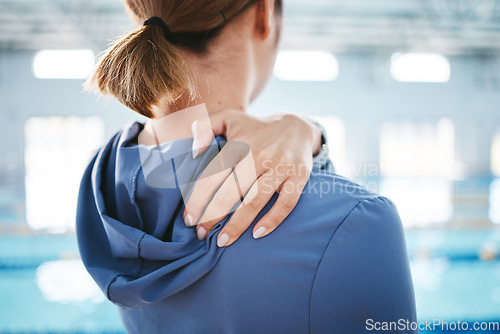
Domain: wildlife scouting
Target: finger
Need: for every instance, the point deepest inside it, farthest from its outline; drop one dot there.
(260, 193)
(219, 121)
(214, 176)
(289, 195)
(204, 188)
(202, 136)
(226, 198)
(229, 195)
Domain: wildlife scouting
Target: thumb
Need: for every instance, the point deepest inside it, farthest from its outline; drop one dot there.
(218, 121)
(222, 120)
(202, 136)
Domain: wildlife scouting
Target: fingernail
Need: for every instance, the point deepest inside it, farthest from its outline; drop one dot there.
(259, 233)
(196, 147)
(202, 233)
(188, 220)
(223, 240)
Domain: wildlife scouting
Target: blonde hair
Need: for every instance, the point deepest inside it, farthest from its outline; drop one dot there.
(147, 65)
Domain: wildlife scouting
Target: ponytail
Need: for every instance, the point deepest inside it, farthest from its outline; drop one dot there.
(147, 65)
(141, 69)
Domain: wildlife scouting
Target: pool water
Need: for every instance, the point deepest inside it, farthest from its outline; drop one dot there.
(456, 274)
(45, 289)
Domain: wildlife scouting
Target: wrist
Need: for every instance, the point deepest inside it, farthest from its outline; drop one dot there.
(317, 139)
(313, 134)
(320, 160)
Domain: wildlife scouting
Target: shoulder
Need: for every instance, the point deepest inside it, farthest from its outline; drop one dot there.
(338, 205)
(334, 198)
(332, 184)
(364, 272)
(373, 221)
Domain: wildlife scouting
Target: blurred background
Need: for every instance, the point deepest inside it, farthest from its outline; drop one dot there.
(409, 91)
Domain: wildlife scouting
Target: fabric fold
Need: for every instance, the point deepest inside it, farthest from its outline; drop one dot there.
(138, 256)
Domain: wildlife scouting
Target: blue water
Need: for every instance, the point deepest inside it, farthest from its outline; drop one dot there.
(25, 308)
(456, 277)
(456, 274)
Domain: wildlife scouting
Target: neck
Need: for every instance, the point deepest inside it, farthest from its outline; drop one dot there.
(223, 80)
(222, 83)
(226, 85)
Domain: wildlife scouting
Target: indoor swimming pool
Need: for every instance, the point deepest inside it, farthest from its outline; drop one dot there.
(45, 289)
(406, 94)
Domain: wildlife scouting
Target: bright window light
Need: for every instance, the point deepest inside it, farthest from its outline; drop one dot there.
(420, 67)
(63, 64)
(495, 155)
(335, 131)
(409, 149)
(306, 66)
(494, 211)
(421, 202)
(67, 281)
(56, 153)
(417, 162)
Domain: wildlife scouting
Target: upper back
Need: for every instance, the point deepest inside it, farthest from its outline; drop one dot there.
(337, 261)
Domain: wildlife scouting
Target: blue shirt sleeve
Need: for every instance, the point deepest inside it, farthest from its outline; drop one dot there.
(363, 280)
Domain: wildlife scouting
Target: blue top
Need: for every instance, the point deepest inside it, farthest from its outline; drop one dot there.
(335, 265)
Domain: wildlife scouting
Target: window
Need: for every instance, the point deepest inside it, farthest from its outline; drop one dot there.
(63, 64)
(306, 66)
(335, 130)
(420, 202)
(409, 149)
(494, 211)
(420, 67)
(495, 201)
(56, 154)
(417, 167)
(67, 281)
(495, 155)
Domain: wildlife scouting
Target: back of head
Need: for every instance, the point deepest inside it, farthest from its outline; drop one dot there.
(148, 64)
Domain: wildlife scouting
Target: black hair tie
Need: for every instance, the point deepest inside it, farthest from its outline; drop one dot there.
(158, 21)
(224, 16)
